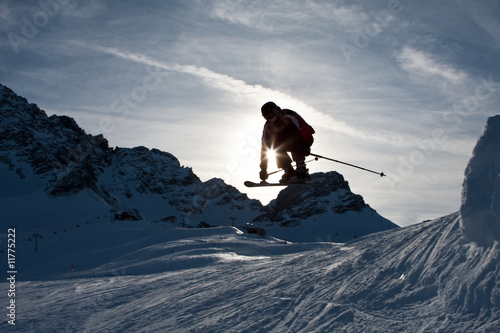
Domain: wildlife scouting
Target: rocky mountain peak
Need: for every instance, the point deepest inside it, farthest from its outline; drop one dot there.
(326, 192)
(328, 187)
(327, 204)
(63, 161)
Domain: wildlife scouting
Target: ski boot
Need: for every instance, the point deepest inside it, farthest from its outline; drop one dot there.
(302, 173)
(289, 173)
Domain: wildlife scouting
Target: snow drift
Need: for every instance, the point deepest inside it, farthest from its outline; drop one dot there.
(480, 210)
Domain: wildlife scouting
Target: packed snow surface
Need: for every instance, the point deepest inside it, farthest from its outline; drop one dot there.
(159, 278)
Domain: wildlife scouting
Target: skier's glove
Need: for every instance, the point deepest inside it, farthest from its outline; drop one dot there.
(263, 174)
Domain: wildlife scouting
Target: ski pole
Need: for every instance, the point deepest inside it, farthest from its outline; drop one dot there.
(352, 165)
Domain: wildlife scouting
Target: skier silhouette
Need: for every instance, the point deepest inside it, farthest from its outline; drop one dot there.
(285, 131)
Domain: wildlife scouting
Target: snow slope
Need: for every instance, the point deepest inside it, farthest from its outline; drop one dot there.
(423, 278)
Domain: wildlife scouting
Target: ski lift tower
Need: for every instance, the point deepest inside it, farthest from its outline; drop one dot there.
(37, 235)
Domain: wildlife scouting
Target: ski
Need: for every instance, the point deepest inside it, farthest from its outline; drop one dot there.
(264, 184)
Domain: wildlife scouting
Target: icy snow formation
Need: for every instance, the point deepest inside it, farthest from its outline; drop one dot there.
(480, 210)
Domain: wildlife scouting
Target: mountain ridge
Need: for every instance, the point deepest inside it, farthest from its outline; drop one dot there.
(62, 160)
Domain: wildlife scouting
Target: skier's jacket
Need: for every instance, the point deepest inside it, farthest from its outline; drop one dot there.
(289, 125)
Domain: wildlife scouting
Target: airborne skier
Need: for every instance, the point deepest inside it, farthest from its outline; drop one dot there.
(285, 131)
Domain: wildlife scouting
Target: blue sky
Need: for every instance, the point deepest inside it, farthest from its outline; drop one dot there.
(404, 87)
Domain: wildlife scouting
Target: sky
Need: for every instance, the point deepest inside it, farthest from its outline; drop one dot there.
(402, 87)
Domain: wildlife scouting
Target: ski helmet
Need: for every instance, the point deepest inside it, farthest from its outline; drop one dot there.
(268, 108)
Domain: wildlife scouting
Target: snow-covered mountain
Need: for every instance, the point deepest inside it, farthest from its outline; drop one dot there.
(53, 171)
(47, 161)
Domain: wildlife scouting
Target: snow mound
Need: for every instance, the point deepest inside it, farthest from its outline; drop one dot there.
(480, 210)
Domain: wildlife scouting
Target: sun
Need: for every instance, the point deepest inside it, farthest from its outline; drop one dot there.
(271, 155)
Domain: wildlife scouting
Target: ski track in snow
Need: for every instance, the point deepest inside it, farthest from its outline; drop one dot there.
(423, 278)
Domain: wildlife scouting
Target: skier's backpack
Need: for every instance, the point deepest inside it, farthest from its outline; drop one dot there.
(306, 130)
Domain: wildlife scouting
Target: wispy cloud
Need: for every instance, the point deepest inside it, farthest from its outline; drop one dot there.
(273, 16)
(425, 68)
(230, 84)
(252, 93)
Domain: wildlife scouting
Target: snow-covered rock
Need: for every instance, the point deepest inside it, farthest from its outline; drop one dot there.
(480, 210)
(324, 210)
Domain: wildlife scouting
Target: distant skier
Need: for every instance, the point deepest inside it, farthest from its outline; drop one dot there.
(285, 131)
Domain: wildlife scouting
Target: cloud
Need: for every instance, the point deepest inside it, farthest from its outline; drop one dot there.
(425, 68)
(230, 84)
(250, 94)
(4, 11)
(273, 16)
(219, 61)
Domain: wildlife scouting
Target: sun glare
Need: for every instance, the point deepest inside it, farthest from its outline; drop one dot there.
(271, 154)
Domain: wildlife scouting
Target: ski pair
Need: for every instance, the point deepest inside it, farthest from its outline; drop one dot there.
(264, 184)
